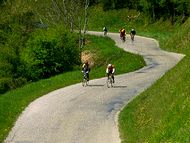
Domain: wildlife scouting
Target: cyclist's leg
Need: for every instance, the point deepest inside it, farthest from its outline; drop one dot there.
(83, 80)
(131, 36)
(107, 76)
(87, 75)
(113, 78)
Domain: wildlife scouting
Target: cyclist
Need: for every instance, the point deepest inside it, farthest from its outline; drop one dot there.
(105, 30)
(110, 70)
(86, 69)
(122, 34)
(132, 34)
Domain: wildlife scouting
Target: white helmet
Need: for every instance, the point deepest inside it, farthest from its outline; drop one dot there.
(109, 65)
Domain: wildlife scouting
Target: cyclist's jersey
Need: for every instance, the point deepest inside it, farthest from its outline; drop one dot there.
(105, 29)
(133, 32)
(110, 70)
(85, 68)
(122, 32)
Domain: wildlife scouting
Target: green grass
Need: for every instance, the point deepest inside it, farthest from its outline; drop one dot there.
(114, 19)
(162, 112)
(14, 102)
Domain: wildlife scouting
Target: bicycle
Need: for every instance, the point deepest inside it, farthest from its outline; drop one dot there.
(105, 33)
(109, 81)
(85, 80)
(122, 37)
(132, 34)
(132, 37)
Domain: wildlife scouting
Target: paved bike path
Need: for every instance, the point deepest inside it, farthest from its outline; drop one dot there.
(89, 115)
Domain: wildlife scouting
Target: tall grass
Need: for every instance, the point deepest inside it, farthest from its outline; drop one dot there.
(114, 19)
(14, 102)
(162, 113)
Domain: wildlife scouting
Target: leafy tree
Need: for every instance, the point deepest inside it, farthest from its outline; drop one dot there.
(49, 53)
(173, 9)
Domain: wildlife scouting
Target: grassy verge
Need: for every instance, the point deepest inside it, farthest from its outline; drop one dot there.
(162, 112)
(14, 102)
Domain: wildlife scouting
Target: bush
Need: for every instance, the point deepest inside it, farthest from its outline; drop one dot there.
(4, 84)
(50, 52)
(5, 69)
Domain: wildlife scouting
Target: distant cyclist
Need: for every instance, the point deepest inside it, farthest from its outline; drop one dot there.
(132, 34)
(122, 34)
(105, 30)
(86, 69)
(110, 70)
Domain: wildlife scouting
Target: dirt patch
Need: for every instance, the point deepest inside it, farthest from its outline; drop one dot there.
(87, 56)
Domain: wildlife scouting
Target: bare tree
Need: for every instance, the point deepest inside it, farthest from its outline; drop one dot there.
(73, 14)
(85, 22)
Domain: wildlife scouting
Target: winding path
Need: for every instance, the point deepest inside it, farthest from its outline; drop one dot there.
(89, 115)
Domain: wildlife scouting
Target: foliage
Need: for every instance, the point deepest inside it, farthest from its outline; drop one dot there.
(15, 28)
(119, 4)
(19, 20)
(115, 19)
(154, 9)
(50, 52)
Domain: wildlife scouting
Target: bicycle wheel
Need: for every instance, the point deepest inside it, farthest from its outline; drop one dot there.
(84, 82)
(123, 39)
(109, 82)
(132, 38)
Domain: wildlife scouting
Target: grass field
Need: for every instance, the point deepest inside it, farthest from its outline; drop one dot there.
(162, 112)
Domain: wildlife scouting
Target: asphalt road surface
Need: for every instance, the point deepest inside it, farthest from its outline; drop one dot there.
(77, 114)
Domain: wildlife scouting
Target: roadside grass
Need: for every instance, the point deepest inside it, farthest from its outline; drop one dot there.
(162, 112)
(14, 102)
(114, 19)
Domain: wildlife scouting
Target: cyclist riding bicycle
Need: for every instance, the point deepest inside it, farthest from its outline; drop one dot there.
(86, 69)
(122, 34)
(110, 70)
(132, 34)
(105, 31)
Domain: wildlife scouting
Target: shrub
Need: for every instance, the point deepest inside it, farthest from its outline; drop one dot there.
(50, 52)
(4, 84)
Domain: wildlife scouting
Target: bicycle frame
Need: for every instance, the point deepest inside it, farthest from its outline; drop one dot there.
(85, 79)
(110, 81)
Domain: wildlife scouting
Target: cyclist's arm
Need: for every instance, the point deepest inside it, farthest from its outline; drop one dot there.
(107, 70)
(113, 71)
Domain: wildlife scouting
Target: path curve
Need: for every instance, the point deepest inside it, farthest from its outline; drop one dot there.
(89, 115)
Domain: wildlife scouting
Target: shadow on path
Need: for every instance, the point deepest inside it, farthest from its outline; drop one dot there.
(96, 85)
(120, 86)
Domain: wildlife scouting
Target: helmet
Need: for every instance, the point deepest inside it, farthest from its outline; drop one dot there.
(109, 65)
